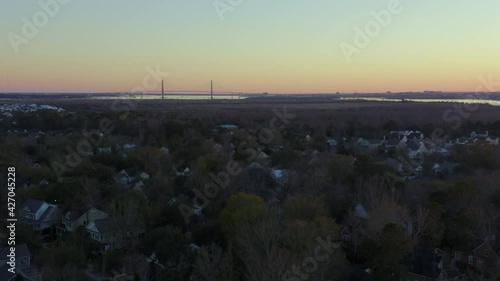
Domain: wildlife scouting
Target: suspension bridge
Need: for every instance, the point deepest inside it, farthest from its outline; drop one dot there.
(208, 90)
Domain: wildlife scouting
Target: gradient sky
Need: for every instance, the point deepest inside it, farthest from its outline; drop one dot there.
(278, 46)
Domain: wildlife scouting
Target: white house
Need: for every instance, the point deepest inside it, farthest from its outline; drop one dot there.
(479, 135)
(128, 146)
(102, 150)
(39, 214)
(492, 141)
(164, 150)
(332, 142)
(81, 217)
(101, 231)
(144, 176)
(126, 176)
(280, 176)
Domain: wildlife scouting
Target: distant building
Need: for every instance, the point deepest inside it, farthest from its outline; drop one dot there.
(228, 127)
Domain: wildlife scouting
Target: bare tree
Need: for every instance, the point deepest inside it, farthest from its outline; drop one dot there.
(259, 249)
(126, 221)
(213, 264)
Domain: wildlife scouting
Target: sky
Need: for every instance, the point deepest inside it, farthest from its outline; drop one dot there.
(278, 46)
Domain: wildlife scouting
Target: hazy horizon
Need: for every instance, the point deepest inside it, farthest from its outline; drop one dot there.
(255, 46)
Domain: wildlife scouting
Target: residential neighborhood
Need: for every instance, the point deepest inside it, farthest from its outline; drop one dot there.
(151, 200)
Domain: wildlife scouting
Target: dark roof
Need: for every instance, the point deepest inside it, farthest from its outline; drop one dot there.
(255, 165)
(21, 251)
(480, 132)
(392, 142)
(355, 139)
(374, 141)
(425, 264)
(32, 204)
(228, 126)
(412, 145)
(50, 214)
(46, 213)
(5, 274)
(131, 172)
(75, 213)
(103, 225)
(414, 136)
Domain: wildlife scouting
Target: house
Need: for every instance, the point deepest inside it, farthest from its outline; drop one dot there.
(416, 136)
(409, 134)
(492, 141)
(394, 164)
(144, 176)
(375, 143)
(23, 256)
(462, 140)
(139, 189)
(444, 168)
(172, 201)
(370, 144)
(185, 172)
(413, 149)
(448, 144)
(164, 150)
(129, 146)
(104, 150)
(397, 134)
(419, 171)
(229, 127)
(43, 182)
(345, 234)
(430, 266)
(197, 210)
(261, 155)
(81, 217)
(280, 176)
(40, 215)
(392, 143)
(123, 178)
(360, 211)
(254, 165)
(153, 259)
(111, 233)
(126, 176)
(442, 151)
(483, 254)
(332, 142)
(101, 231)
(479, 135)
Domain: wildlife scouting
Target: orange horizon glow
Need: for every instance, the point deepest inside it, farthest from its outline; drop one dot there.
(279, 47)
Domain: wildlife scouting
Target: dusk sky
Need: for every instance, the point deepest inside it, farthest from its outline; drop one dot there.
(278, 46)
